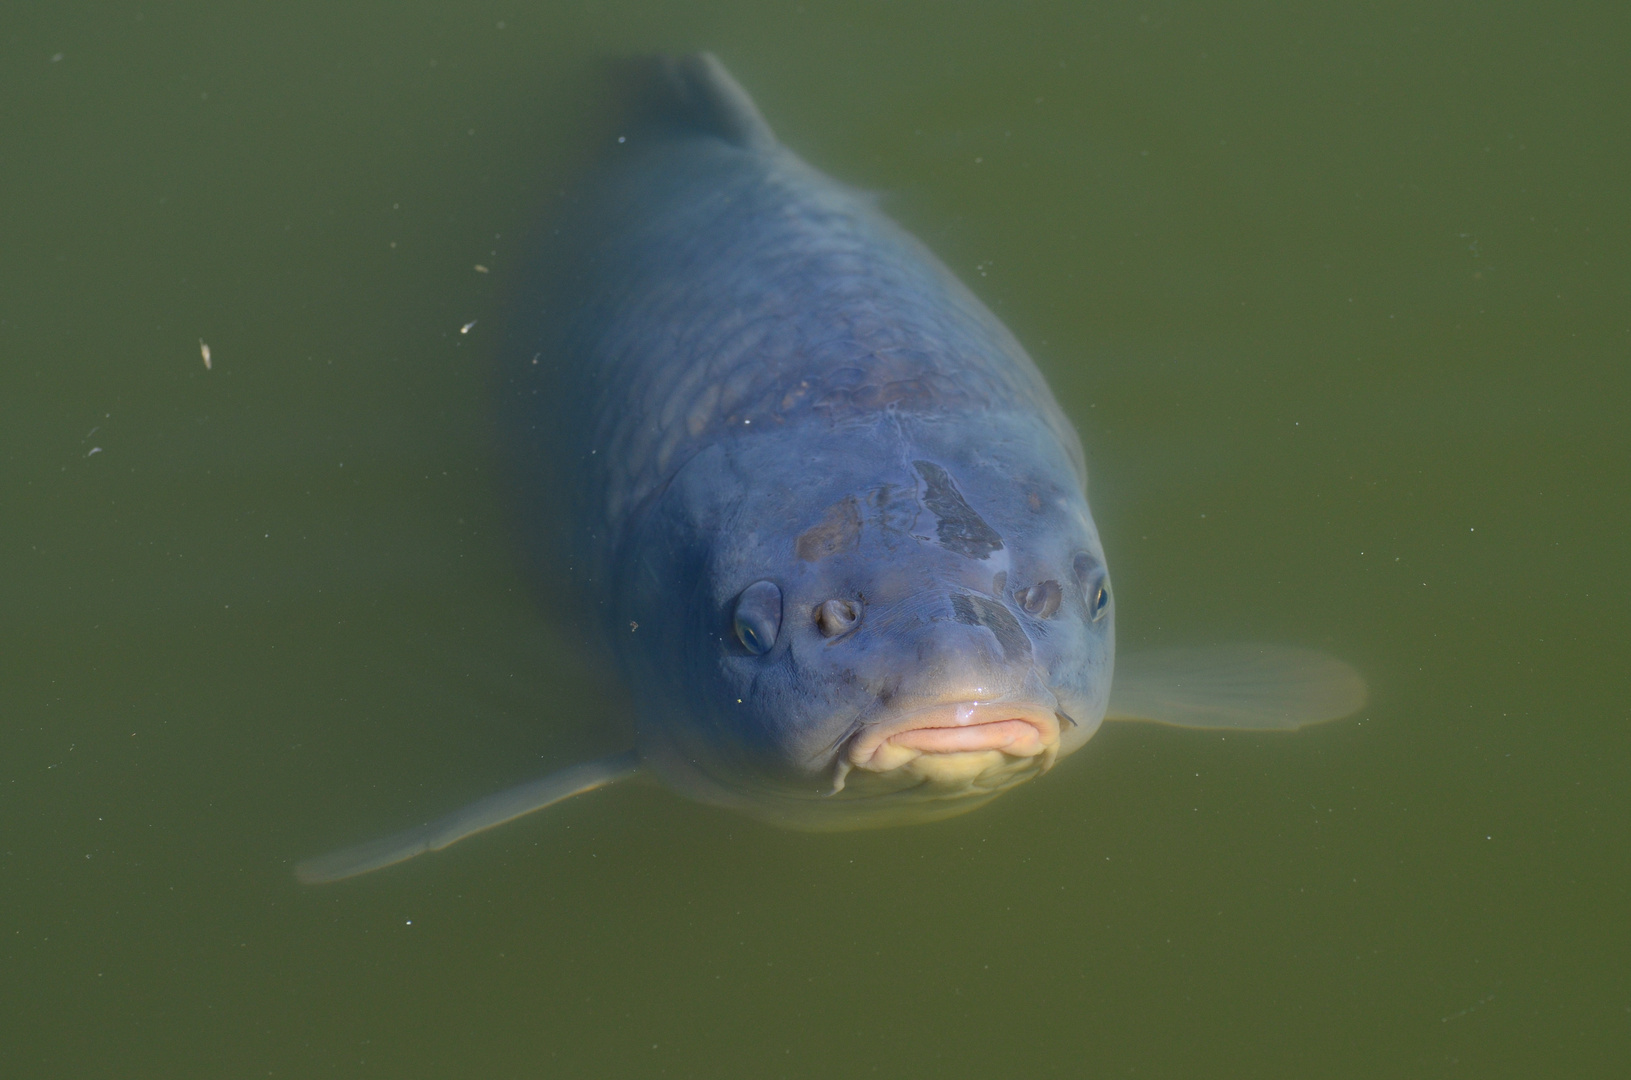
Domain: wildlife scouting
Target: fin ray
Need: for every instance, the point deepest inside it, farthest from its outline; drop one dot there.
(695, 91)
(496, 809)
(1238, 687)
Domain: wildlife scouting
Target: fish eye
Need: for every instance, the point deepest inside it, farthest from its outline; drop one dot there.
(1041, 599)
(758, 617)
(1095, 585)
(835, 617)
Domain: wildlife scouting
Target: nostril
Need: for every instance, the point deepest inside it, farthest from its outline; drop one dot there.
(835, 617)
(1041, 599)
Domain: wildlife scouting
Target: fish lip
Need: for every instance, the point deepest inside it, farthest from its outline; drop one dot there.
(949, 727)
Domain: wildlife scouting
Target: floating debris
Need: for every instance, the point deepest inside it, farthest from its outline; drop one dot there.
(204, 351)
(480, 269)
(465, 329)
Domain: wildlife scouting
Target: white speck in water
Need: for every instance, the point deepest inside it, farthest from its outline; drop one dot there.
(204, 350)
(465, 329)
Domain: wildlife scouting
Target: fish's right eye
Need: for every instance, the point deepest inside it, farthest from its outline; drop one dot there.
(758, 617)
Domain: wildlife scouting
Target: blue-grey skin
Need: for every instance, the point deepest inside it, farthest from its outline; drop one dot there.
(748, 373)
(816, 501)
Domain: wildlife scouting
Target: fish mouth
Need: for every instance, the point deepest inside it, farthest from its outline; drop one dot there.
(968, 745)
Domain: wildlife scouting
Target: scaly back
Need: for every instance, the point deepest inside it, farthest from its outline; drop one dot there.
(707, 284)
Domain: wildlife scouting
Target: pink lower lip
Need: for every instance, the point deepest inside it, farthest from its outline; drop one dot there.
(961, 727)
(1014, 736)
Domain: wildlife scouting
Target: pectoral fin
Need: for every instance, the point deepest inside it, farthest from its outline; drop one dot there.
(483, 814)
(1242, 687)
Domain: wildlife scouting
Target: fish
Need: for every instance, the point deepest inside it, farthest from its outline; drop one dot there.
(816, 502)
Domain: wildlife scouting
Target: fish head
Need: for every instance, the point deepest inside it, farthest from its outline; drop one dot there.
(889, 637)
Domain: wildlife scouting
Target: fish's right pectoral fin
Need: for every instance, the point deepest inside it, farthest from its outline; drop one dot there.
(483, 814)
(1238, 687)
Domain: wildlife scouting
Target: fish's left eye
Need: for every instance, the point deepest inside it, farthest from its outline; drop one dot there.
(1100, 602)
(758, 617)
(1095, 585)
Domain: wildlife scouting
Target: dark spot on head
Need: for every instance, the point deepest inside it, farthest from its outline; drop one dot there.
(838, 530)
(994, 616)
(893, 510)
(959, 528)
(1033, 501)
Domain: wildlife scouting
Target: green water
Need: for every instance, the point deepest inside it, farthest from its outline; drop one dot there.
(1338, 295)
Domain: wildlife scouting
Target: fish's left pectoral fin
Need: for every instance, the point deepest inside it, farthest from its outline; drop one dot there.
(1235, 687)
(483, 814)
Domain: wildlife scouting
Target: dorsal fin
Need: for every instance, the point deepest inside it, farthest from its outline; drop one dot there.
(695, 92)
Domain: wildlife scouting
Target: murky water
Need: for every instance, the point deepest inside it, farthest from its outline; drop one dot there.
(1340, 302)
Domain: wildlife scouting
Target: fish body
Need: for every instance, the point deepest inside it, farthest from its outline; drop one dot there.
(814, 498)
(750, 374)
